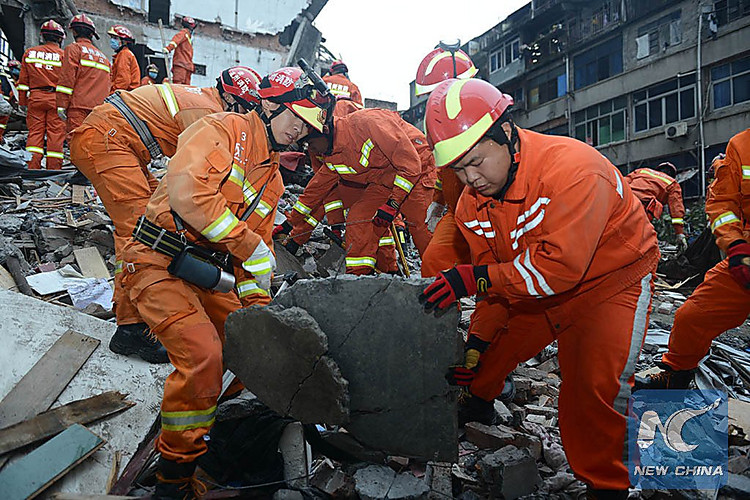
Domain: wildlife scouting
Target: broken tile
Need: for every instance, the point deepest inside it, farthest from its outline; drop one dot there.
(510, 472)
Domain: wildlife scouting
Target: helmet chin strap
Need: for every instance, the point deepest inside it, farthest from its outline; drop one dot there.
(275, 146)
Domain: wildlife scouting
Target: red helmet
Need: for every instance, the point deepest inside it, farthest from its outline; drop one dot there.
(242, 83)
(14, 64)
(458, 114)
(292, 88)
(338, 66)
(52, 27)
(438, 66)
(667, 168)
(85, 22)
(122, 32)
(189, 22)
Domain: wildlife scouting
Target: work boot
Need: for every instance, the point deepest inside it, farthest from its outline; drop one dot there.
(175, 481)
(594, 494)
(474, 409)
(135, 339)
(668, 378)
(509, 390)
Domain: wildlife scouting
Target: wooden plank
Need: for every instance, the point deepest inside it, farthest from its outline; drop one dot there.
(6, 280)
(32, 474)
(79, 194)
(41, 386)
(54, 421)
(91, 263)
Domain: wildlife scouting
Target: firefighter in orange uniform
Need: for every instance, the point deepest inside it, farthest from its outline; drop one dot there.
(656, 188)
(6, 80)
(340, 84)
(40, 71)
(722, 301)
(182, 44)
(380, 166)
(447, 247)
(108, 150)
(561, 250)
(85, 78)
(126, 74)
(225, 164)
(152, 73)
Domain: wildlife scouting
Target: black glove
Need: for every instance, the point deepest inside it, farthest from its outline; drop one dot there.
(283, 228)
(386, 213)
(291, 246)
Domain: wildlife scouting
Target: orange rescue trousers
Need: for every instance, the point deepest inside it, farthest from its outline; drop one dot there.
(447, 248)
(181, 75)
(124, 188)
(42, 120)
(717, 305)
(597, 351)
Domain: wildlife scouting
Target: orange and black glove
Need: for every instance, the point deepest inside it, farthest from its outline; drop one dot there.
(386, 213)
(463, 375)
(463, 280)
(739, 257)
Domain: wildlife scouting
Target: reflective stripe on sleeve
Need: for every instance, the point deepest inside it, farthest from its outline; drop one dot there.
(333, 205)
(364, 160)
(341, 169)
(302, 208)
(250, 287)
(237, 175)
(221, 227)
(22, 87)
(167, 94)
(64, 90)
(386, 241)
(721, 220)
(677, 220)
(3, 126)
(746, 171)
(403, 184)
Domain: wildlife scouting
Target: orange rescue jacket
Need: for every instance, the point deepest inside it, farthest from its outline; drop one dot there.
(182, 44)
(343, 88)
(653, 186)
(448, 189)
(85, 78)
(126, 74)
(728, 202)
(569, 224)
(40, 69)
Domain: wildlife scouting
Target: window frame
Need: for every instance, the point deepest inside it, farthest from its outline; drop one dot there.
(499, 53)
(730, 79)
(590, 122)
(662, 96)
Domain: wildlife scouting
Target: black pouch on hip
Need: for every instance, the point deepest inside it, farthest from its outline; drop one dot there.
(189, 265)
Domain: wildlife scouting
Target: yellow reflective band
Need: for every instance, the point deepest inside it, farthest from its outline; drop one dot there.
(250, 287)
(23, 87)
(3, 126)
(439, 185)
(237, 175)
(655, 176)
(64, 90)
(746, 171)
(360, 261)
(93, 64)
(35, 60)
(35, 149)
(258, 266)
(723, 219)
(448, 150)
(453, 99)
(677, 220)
(341, 169)
(403, 184)
(386, 241)
(436, 60)
(364, 160)
(172, 43)
(248, 192)
(54, 154)
(311, 220)
(167, 94)
(221, 227)
(263, 208)
(118, 267)
(61, 109)
(302, 208)
(333, 205)
(184, 420)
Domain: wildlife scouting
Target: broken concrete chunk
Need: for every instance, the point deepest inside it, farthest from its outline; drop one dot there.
(488, 436)
(510, 472)
(280, 357)
(10, 224)
(378, 482)
(394, 357)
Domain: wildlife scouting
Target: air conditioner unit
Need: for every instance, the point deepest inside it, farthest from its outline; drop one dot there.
(675, 130)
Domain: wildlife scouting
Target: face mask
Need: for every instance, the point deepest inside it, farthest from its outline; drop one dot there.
(114, 43)
(153, 75)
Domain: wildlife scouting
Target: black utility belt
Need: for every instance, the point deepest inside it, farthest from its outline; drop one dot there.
(197, 265)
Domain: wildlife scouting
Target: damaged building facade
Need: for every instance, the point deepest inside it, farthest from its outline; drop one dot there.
(251, 33)
(643, 81)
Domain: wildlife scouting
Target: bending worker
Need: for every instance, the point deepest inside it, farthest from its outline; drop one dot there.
(113, 149)
(225, 165)
(561, 250)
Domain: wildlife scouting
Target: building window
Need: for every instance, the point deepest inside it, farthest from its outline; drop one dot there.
(599, 63)
(507, 53)
(664, 103)
(159, 9)
(662, 33)
(731, 83)
(601, 124)
(731, 10)
(547, 86)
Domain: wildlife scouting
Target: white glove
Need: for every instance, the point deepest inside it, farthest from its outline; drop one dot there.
(62, 114)
(261, 263)
(434, 214)
(165, 50)
(682, 243)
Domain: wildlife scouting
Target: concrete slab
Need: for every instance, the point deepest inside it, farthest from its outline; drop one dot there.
(29, 327)
(279, 354)
(394, 357)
